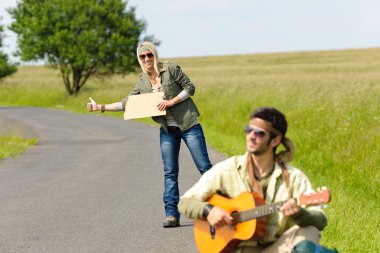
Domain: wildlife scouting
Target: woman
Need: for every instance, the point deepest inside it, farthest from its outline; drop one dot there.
(180, 121)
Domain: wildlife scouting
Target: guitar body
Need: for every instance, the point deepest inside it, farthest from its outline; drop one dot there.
(249, 211)
(228, 237)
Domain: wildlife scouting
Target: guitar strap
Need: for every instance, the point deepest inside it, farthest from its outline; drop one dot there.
(252, 179)
(256, 185)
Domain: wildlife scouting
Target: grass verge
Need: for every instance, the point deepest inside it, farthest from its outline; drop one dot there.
(13, 145)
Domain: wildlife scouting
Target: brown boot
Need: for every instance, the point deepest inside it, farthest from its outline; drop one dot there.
(171, 222)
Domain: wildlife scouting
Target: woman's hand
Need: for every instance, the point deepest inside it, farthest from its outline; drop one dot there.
(164, 104)
(92, 106)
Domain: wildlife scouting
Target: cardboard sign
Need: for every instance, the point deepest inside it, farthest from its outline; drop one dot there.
(143, 105)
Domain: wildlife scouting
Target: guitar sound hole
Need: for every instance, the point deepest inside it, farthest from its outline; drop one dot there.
(235, 216)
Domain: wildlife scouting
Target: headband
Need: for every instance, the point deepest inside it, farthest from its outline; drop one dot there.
(143, 49)
(285, 155)
(266, 126)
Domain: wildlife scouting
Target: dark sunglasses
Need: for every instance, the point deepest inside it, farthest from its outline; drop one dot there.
(258, 132)
(148, 55)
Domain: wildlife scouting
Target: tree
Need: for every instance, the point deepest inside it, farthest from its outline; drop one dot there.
(6, 68)
(81, 38)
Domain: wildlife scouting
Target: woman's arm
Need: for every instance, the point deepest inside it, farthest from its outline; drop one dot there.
(177, 99)
(93, 106)
(181, 79)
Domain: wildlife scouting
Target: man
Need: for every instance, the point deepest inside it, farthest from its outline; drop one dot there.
(266, 172)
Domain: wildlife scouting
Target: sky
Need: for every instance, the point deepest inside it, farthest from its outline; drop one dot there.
(188, 28)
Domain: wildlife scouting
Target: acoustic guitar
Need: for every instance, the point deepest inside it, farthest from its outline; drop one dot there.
(248, 211)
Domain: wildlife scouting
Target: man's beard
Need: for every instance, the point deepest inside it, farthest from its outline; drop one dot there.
(260, 150)
(257, 152)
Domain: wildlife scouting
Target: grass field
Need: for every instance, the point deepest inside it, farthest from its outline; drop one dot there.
(331, 100)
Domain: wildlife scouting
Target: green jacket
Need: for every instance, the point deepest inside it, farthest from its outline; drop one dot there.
(173, 81)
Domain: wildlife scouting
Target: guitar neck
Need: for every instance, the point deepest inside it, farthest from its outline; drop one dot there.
(260, 211)
(316, 198)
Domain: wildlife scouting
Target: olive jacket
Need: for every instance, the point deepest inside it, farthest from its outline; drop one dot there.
(173, 81)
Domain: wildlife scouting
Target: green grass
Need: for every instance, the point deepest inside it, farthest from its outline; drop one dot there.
(331, 100)
(12, 145)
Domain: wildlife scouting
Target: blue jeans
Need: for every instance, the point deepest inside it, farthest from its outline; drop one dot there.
(170, 144)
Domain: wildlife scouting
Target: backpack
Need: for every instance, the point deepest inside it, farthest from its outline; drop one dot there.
(311, 247)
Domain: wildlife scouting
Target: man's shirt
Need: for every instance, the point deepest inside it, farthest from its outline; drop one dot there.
(230, 178)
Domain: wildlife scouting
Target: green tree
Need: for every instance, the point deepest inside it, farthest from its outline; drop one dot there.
(6, 68)
(81, 38)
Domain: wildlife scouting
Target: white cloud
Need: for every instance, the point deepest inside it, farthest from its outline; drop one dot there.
(4, 5)
(10, 38)
(371, 23)
(206, 5)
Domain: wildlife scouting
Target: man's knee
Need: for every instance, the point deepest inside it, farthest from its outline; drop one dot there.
(310, 233)
(292, 236)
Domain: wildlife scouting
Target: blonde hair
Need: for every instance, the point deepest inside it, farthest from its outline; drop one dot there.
(146, 45)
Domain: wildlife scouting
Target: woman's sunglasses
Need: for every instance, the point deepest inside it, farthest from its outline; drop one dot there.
(148, 55)
(258, 132)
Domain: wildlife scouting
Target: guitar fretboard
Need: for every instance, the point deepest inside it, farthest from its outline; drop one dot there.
(259, 211)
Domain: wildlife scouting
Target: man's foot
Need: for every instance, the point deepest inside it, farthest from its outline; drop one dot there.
(171, 222)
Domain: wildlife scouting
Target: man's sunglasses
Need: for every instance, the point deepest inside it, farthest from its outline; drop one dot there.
(148, 55)
(258, 132)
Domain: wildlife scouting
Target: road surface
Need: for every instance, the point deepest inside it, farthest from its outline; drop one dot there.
(92, 184)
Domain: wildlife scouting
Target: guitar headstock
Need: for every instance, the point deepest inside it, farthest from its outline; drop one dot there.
(320, 197)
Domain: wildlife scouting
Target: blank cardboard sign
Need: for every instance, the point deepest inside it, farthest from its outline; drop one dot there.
(143, 105)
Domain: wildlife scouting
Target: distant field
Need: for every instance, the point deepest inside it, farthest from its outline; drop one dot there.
(331, 100)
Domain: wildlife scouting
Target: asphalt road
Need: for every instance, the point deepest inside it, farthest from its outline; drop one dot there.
(92, 184)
